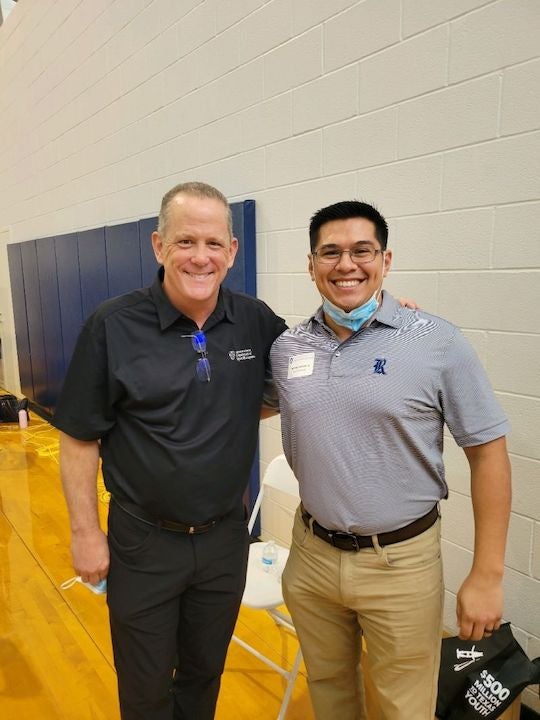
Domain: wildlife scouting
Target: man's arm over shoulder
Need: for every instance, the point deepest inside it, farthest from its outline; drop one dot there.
(270, 404)
(480, 598)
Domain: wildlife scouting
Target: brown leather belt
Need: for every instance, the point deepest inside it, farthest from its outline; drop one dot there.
(351, 542)
(140, 514)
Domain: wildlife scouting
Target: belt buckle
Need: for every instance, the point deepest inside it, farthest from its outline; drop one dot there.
(347, 536)
(191, 529)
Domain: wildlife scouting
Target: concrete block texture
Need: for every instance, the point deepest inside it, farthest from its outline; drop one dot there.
(294, 160)
(524, 416)
(307, 13)
(230, 12)
(196, 27)
(306, 297)
(519, 543)
(170, 12)
(521, 98)
(420, 287)
(525, 496)
(495, 36)
(489, 300)
(457, 520)
(361, 142)
(276, 289)
(273, 209)
(515, 236)
(266, 122)
(287, 251)
(341, 89)
(521, 593)
(418, 15)
(293, 63)
(410, 68)
(502, 351)
(410, 187)
(536, 552)
(264, 29)
(442, 241)
(499, 171)
(367, 27)
(456, 562)
(452, 117)
(310, 196)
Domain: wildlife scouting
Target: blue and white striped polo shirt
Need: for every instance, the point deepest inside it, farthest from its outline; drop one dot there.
(362, 421)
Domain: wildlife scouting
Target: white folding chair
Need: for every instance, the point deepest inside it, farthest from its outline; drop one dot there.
(263, 589)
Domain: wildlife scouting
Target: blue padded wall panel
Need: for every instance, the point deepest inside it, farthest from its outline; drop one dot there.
(35, 322)
(50, 313)
(242, 277)
(69, 292)
(93, 269)
(149, 264)
(21, 322)
(123, 258)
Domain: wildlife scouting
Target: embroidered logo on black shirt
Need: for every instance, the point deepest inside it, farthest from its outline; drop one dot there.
(246, 354)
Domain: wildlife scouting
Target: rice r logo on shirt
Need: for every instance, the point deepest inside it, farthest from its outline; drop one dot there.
(378, 366)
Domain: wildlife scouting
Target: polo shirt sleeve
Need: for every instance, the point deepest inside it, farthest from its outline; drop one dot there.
(470, 409)
(85, 409)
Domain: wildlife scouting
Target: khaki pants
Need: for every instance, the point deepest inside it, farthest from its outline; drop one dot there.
(391, 595)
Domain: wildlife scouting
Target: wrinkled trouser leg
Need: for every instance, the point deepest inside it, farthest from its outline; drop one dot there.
(173, 602)
(394, 596)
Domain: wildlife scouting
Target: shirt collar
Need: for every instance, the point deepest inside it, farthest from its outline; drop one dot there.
(168, 314)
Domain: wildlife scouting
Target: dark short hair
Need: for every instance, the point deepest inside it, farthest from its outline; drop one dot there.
(343, 211)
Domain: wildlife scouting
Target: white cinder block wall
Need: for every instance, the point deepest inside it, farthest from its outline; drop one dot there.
(429, 108)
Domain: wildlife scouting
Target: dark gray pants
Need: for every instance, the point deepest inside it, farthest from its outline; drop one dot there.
(173, 602)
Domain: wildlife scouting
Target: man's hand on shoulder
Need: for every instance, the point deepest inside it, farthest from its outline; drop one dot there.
(406, 302)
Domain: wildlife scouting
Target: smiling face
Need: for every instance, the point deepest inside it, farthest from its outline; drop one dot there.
(347, 284)
(196, 250)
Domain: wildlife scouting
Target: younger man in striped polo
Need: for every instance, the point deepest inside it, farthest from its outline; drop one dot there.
(365, 388)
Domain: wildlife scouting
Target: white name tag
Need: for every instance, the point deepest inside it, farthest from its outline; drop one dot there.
(301, 365)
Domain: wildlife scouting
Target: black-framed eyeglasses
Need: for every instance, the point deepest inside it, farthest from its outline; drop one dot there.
(360, 255)
(198, 341)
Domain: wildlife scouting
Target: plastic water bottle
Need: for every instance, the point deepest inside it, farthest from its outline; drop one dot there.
(270, 556)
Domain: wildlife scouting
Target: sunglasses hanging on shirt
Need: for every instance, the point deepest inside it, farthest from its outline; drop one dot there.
(202, 369)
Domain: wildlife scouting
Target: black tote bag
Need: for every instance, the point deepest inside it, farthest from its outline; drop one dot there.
(480, 679)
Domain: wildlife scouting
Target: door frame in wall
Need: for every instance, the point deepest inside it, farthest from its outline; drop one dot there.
(10, 362)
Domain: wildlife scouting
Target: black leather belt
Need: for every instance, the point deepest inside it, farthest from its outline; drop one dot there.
(349, 541)
(140, 514)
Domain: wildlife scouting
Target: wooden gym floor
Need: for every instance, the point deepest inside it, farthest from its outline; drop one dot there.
(55, 651)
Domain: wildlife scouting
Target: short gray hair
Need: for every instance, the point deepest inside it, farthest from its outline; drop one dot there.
(197, 189)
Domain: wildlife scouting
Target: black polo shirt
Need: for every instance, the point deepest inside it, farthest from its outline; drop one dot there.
(180, 448)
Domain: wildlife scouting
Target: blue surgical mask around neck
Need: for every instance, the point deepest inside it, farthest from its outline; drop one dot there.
(354, 319)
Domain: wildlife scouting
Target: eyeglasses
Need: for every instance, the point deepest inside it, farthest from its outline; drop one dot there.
(198, 341)
(359, 255)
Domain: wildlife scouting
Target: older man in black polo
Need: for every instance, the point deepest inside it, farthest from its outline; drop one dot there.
(166, 384)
